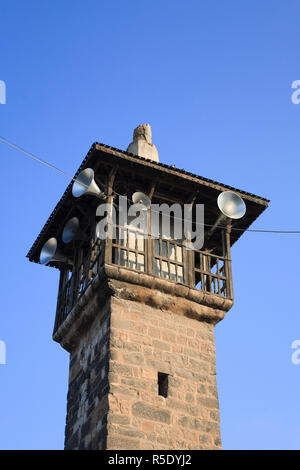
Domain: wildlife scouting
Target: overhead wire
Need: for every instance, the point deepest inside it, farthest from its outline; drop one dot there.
(72, 178)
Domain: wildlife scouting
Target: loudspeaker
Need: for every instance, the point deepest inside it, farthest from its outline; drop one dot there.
(141, 198)
(84, 185)
(50, 252)
(231, 205)
(72, 231)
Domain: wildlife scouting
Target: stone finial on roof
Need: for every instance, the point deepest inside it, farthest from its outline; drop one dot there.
(142, 143)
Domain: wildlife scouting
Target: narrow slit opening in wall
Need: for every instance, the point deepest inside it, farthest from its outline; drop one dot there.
(163, 384)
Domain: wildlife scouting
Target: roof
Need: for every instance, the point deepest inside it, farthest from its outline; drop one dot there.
(118, 156)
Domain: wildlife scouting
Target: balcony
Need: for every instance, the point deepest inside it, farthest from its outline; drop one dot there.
(161, 258)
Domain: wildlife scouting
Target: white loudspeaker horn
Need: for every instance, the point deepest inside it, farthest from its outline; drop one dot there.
(50, 252)
(231, 205)
(141, 198)
(85, 185)
(72, 231)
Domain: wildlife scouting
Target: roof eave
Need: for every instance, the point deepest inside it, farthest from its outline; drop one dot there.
(145, 162)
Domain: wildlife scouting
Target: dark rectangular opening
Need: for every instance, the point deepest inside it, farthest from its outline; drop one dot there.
(163, 384)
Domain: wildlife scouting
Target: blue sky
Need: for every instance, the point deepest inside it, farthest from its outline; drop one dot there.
(214, 81)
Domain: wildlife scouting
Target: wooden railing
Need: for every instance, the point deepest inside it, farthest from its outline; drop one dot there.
(160, 257)
(170, 259)
(74, 283)
(211, 273)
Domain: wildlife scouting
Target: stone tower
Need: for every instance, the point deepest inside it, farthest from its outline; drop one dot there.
(137, 313)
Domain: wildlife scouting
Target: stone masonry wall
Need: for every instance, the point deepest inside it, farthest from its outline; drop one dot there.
(116, 355)
(88, 387)
(144, 341)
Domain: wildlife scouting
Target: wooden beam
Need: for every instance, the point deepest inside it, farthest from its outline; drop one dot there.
(109, 193)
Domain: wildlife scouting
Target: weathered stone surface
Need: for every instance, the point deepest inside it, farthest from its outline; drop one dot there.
(118, 419)
(209, 402)
(129, 432)
(149, 412)
(122, 443)
(113, 399)
(142, 143)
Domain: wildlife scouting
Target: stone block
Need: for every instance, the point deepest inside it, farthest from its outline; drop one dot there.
(122, 443)
(114, 418)
(151, 413)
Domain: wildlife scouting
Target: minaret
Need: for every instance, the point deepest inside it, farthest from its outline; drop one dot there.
(136, 309)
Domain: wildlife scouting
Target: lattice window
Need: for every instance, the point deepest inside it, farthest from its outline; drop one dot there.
(129, 248)
(168, 260)
(88, 269)
(210, 274)
(75, 283)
